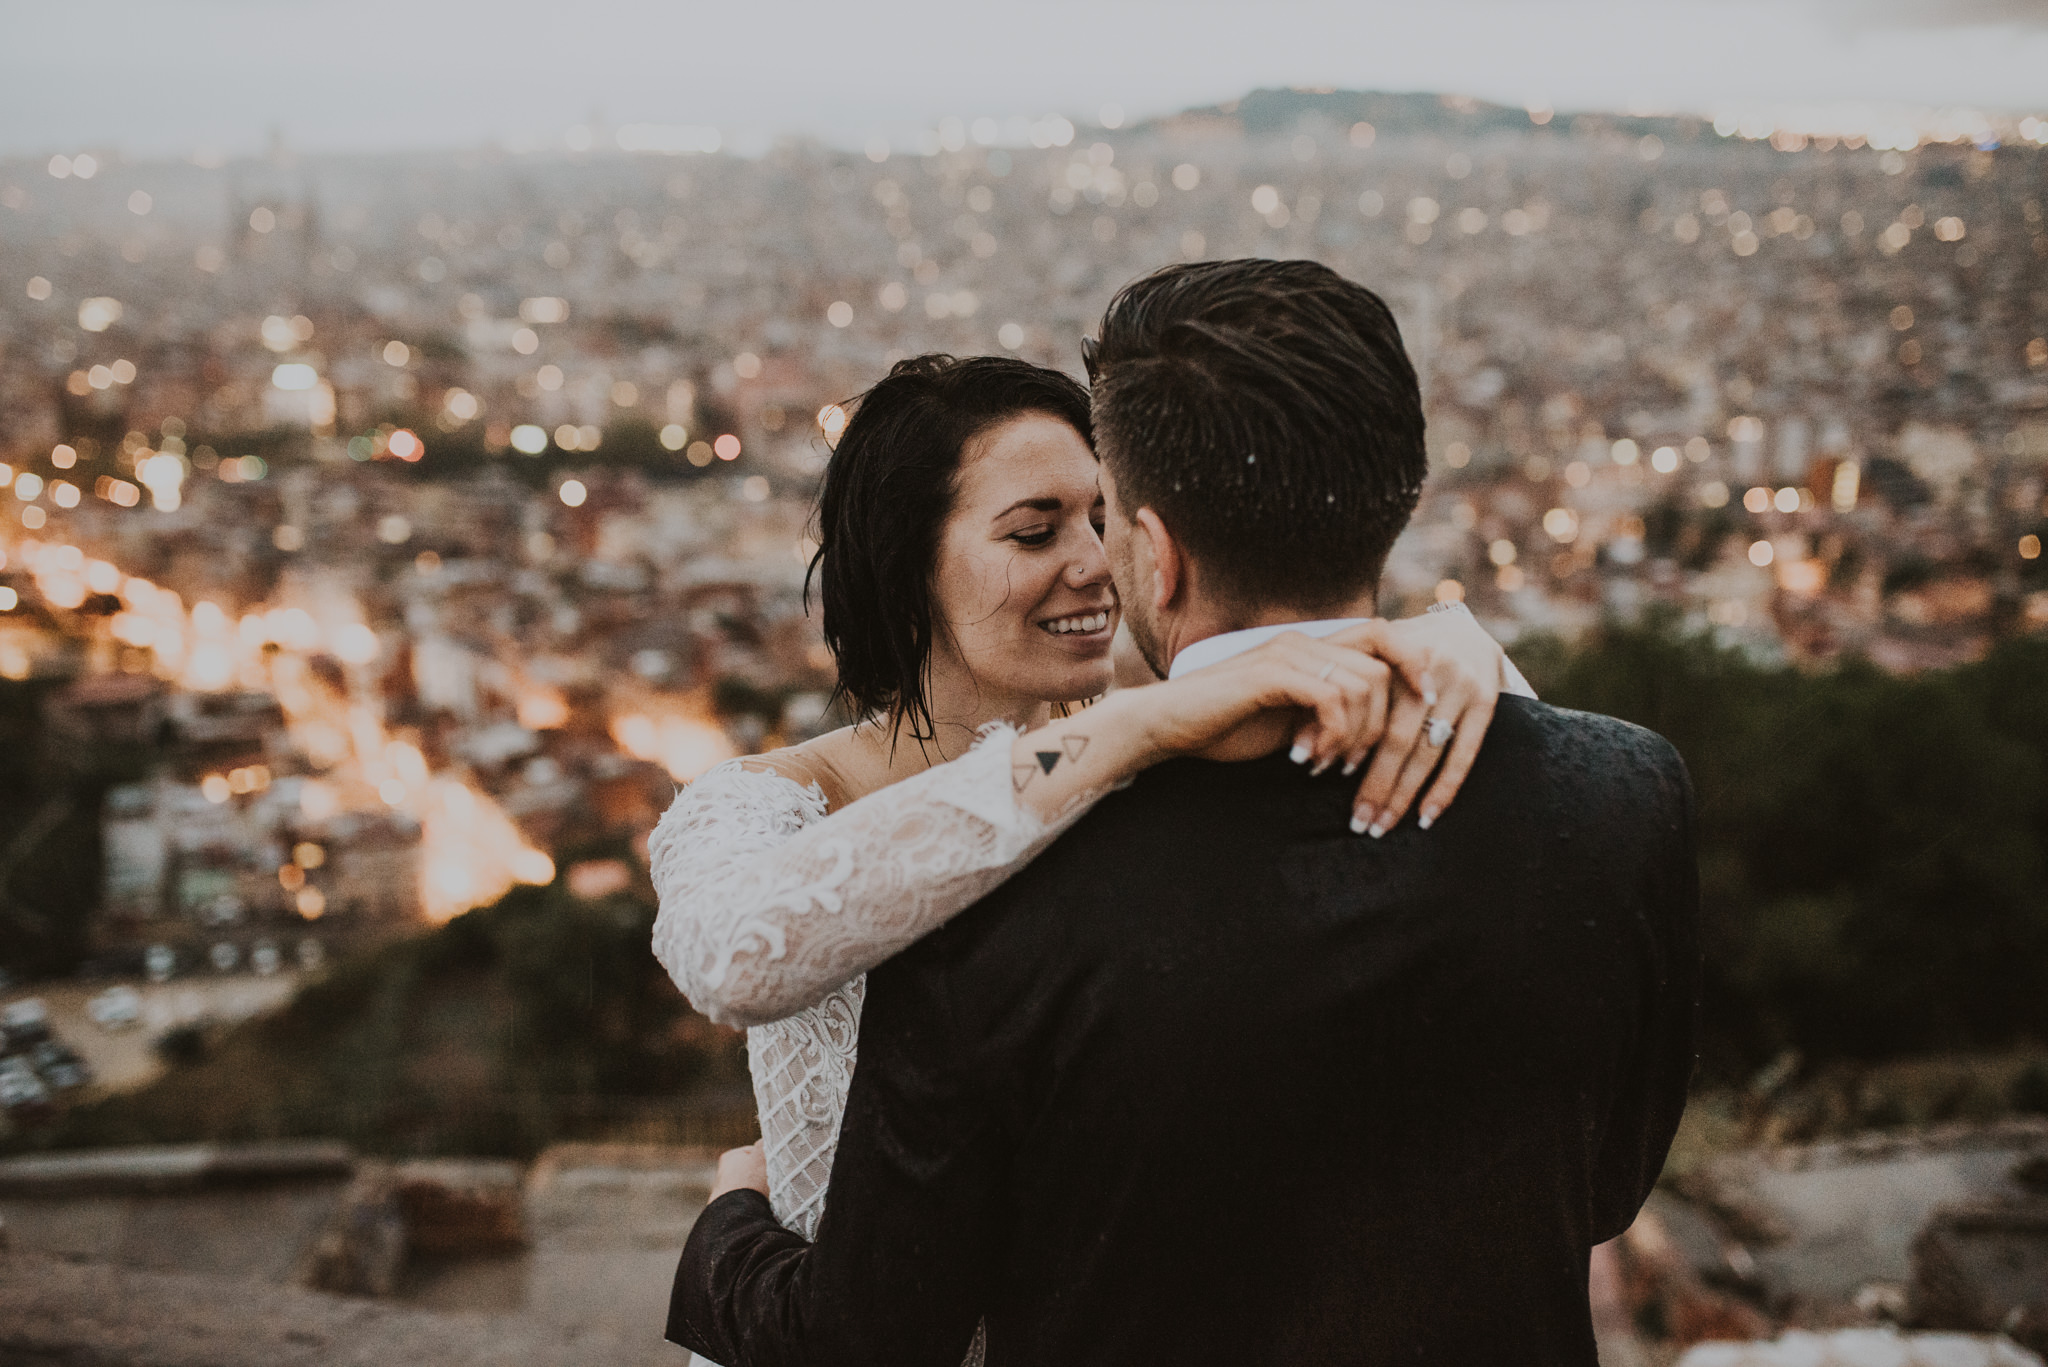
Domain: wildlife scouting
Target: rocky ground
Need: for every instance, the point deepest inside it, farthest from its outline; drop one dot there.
(1914, 1248)
(214, 1277)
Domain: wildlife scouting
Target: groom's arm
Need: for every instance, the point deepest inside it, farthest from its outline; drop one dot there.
(1657, 1073)
(900, 1271)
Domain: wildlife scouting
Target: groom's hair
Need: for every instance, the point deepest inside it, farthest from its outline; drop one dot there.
(1266, 411)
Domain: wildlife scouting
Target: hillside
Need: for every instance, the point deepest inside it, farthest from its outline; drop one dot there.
(540, 1018)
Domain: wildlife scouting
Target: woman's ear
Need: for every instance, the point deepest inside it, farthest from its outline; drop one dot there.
(1162, 554)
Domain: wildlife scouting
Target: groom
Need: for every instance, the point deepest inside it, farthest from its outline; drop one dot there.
(1215, 1080)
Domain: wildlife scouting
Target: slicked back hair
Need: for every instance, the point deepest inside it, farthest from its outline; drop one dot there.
(1267, 412)
(887, 493)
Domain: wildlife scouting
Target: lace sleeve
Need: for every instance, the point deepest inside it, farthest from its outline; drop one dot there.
(768, 903)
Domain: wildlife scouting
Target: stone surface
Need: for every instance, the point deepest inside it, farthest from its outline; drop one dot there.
(1825, 1222)
(1864, 1348)
(361, 1249)
(254, 1233)
(1985, 1268)
(213, 1283)
(96, 1315)
(162, 1168)
(1676, 1266)
(456, 1206)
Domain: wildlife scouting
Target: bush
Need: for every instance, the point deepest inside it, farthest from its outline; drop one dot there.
(1873, 849)
(540, 1018)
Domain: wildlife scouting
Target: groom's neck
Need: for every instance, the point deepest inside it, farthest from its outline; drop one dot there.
(1203, 619)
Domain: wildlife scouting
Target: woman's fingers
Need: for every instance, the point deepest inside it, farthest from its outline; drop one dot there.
(1354, 712)
(1404, 728)
(1452, 710)
(1412, 656)
(1375, 727)
(1362, 685)
(1458, 760)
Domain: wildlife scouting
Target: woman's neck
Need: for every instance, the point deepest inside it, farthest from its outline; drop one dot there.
(961, 706)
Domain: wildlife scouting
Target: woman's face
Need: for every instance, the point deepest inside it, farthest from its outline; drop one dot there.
(1022, 589)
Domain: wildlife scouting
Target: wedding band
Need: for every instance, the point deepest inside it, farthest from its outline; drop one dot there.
(1328, 670)
(1440, 732)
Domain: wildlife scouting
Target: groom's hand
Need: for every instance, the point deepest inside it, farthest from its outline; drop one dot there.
(741, 1169)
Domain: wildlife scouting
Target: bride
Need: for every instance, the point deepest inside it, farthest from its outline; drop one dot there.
(969, 607)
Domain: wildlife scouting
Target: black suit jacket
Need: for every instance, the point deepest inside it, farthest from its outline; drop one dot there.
(1216, 1081)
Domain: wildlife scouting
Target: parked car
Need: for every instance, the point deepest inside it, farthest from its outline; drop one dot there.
(20, 1088)
(116, 1008)
(26, 1024)
(60, 1066)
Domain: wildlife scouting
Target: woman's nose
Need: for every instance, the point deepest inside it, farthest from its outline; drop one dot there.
(1089, 567)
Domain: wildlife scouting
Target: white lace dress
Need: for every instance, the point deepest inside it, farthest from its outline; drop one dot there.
(772, 913)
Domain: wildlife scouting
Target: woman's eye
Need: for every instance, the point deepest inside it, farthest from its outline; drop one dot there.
(1032, 538)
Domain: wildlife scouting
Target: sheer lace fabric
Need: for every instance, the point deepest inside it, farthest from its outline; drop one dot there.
(772, 910)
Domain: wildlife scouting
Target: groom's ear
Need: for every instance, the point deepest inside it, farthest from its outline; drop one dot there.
(1168, 564)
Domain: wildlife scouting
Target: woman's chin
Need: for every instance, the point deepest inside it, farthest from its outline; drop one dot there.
(1074, 682)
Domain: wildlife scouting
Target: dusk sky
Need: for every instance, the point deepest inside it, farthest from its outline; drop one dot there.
(164, 77)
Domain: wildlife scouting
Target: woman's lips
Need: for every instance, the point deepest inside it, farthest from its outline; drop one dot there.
(1087, 632)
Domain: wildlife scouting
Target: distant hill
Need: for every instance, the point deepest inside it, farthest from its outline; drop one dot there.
(1274, 112)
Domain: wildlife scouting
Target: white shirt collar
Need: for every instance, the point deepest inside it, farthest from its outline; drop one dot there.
(1212, 649)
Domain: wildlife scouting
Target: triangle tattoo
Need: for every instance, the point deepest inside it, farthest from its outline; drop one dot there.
(1074, 745)
(1021, 774)
(1047, 759)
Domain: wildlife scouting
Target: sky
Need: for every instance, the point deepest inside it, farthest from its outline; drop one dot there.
(168, 77)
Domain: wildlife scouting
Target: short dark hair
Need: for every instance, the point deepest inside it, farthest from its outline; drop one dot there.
(1266, 411)
(887, 493)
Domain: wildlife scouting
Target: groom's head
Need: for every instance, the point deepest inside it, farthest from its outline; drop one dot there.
(1260, 431)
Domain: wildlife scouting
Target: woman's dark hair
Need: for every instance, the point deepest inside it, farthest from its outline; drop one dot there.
(887, 493)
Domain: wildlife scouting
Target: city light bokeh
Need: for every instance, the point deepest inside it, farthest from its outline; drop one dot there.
(440, 465)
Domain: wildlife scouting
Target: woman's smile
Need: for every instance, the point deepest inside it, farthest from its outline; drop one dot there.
(1088, 631)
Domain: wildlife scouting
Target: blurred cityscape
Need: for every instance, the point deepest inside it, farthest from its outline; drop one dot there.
(401, 522)
(388, 526)
(384, 534)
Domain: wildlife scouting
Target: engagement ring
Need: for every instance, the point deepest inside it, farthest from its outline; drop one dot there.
(1440, 732)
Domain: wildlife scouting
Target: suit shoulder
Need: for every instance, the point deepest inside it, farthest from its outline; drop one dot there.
(1591, 743)
(1546, 724)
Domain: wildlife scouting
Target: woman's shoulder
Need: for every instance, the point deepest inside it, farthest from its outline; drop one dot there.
(826, 767)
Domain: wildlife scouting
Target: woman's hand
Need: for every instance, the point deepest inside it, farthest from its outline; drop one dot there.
(1253, 704)
(1410, 695)
(1449, 677)
(1249, 705)
(741, 1169)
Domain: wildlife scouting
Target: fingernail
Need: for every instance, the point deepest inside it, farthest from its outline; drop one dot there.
(1429, 698)
(1351, 766)
(1427, 819)
(1299, 754)
(1357, 824)
(1318, 770)
(1377, 831)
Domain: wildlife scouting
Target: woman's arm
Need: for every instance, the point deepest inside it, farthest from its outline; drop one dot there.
(1441, 665)
(768, 903)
